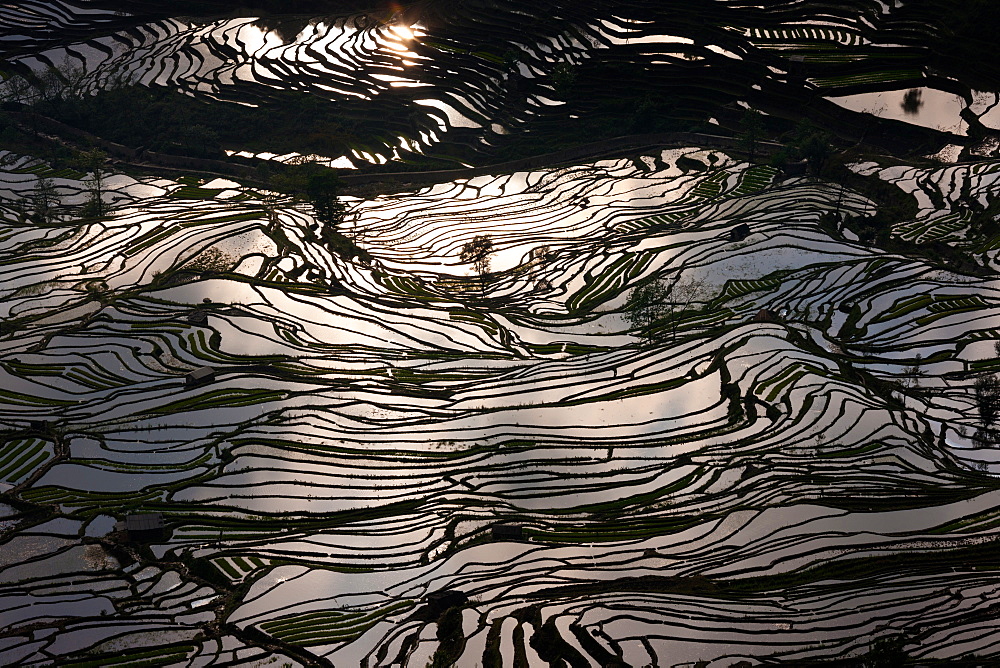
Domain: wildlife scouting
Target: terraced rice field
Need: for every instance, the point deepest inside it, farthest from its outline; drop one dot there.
(458, 87)
(372, 453)
(716, 488)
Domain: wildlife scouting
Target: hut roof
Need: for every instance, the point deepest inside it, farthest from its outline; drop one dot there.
(144, 522)
(200, 375)
(739, 232)
(507, 531)
(767, 315)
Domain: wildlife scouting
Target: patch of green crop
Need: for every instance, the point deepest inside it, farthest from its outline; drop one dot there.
(326, 626)
(222, 398)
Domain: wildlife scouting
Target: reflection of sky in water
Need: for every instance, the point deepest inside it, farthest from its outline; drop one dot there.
(339, 58)
(937, 109)
(255, 54)
(564, 467)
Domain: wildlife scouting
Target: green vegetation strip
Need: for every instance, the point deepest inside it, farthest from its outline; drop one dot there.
(904, 306)
(194, 192)
(325, 626)
(610, 280)
(155, 657)
(19, 399)
(224, 398)
(18, 458)
(870, 77)
(738, 288)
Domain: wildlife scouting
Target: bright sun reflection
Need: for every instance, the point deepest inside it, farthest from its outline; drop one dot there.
(398, 40)
(403, 32)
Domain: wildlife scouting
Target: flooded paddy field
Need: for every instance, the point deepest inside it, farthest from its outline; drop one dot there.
(366, 431)
(424, 86)
(687, 409)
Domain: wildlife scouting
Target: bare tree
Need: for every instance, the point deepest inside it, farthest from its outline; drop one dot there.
(16, 88)
(690, 291)
(660, 300)
(59, 82)
(912, 374)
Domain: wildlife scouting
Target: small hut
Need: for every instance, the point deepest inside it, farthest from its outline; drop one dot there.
(507, 532)
(439, 601)
(200, 376)
(197, 317)
(767, 316)
(740, 232)
(144, 527)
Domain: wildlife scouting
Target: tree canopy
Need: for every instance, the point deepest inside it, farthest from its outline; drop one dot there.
(477, 253)
(323, 189)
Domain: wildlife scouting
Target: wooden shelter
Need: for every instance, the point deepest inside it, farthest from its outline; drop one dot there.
(200, 376)
(507, 532)
(144, 527)
(740, 232)
(767, 316)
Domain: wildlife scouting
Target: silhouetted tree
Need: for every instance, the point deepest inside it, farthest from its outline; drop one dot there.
(477, 253)
(912, 374)
(647, 304)
(44, 200)
(987, 391)
(563, 78)
(886, 652)
(816, 149)
(322, 190)
(16, 88)
(93, 163)
(657, 300)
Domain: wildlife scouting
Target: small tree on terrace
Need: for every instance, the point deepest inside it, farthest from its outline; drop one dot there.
(322, 190)
(477, 253)
(751, 132)
(912, 374)
(647, 304)
(93, 163)
(44, 200)
(987, 391)
(563, 78)
(650, 303)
